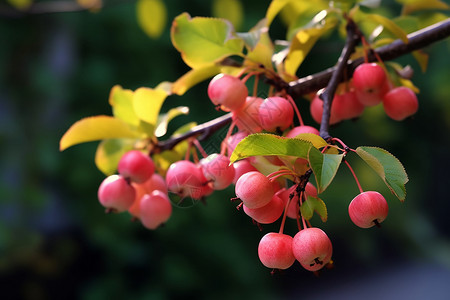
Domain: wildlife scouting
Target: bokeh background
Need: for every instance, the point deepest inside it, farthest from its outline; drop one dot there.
(57, 243)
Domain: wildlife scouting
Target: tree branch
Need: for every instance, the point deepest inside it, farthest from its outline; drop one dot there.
(327, 96)
(312, 83)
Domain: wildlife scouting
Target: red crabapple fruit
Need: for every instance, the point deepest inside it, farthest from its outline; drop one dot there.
(217, 170)
(312, 248)
(136, 165)
(369, 82)
(368, 209)
(115, 193)
(316, 109)
(241, 167)
(267, 214)
(155, 209)
(185, 179)
(247, 117)
(276, 113)
(347, 106)
(400, 103)
(254, 189)
(302, 129)
(155, 182)
(275, 251)
(227, 92)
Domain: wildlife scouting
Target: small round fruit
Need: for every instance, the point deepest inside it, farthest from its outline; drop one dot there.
(247, 117)
(136, 165)
(347, 106)
(302, 129)
(217, 170)
(254, 189)
(155, 209)
(275, 251)
(116, 194)
(316, 109)
(186, 179)
(369, 81)
(312, 248)
(241, 167)
(400, 103)
(276, 113)
(267, 214)
(227, 92)
(368, 209)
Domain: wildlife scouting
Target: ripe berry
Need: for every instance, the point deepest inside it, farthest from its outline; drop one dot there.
(275, 251)
(267, 214)
(116, 194)
(247, 117)
(233, 140)
(368, 209)
(276, 113)
(217, 170)
(186, 179)
(155, 182)
(302, 129)
(347, 106)
(155, 209)
(400, 103)
(136, 165)
(369, 81)
(254, 189)
(241, 167)
(316, 109)
(312, 248)
(227, 92)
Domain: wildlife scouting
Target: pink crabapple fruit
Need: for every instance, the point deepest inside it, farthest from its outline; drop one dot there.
(254, 189)
(247, 117)
(136, 165)
(185, 179)
(115, 193)
(217, 170)
(241, 167)
(227, 92)
(312, 248)
(155, 182)
(368, 209)
(275, 251)
(302, 129)
(316, 109)
(276, 113)
(155, 209)
(369, 81)
(267, 214)
(347, 106)
(400, 103)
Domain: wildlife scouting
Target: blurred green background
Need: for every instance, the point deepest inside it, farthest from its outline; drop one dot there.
(57, 243)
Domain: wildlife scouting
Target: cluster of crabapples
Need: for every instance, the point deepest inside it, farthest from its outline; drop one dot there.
(369, 86)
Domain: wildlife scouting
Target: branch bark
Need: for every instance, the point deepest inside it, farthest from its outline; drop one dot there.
(417, 40)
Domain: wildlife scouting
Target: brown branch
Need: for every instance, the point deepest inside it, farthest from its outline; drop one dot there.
(302, 86)
(337, 76)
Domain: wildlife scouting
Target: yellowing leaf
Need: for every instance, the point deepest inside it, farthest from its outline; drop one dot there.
(274, 8)
(121, 101)
(147, 102)
(259, 44)
(422, 58)
(164, 119)
(389, 25)
(109, 153)
(94, 129)
(410, 6)
(21, 4)
(204, 41)
(230, 10)
(311, 205)
(194, 77)
(151, 16)
(314, 139)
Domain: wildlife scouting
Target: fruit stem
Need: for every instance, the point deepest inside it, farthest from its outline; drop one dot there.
(300, 120)
(255, 86)
(285, 214)
(200, 148)
(354, 175)
(274, 175)
(223, 147)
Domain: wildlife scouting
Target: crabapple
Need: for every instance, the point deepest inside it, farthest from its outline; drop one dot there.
(316, 109)
(186, 179)
(276, 113)
(302, 129)
(217, 170)
(312, 248)
(368, 209)
(292, 212)
(254, 189)
(347, 106)
(267, 214)
(275, 251)
(155, 182)
(369, 82)
(227, 92)
(155, 209)
(136, 165)
(115, 193)
(247, 116)
(233, 140)
(400, 103)
(241, 167)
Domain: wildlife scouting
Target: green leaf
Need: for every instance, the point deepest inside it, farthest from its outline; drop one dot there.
(151, 16)
(324, 167)
(231, 10)
(311, 205)
(94, 129)
(193, 77)
(269, 144)
(109, 153)
(388, 167)
(204, 41)
(410, 6)
(147, 103)
(164, 119)
(314, 139)
(259, 45)
(387, 24)
(121, 101)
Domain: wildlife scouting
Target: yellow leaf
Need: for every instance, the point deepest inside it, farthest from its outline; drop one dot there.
(411, 6)
(231, 10)
(147, 103)
(274, 8)
(193, 77)
(94, 129)
(151, 16)
(121, 101)
(422, 58)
